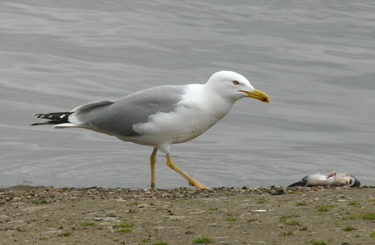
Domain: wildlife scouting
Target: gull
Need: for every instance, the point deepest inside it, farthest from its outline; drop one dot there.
(333, 178)
(161, 116)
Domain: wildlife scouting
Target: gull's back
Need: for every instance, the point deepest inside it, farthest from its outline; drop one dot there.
(117, 118)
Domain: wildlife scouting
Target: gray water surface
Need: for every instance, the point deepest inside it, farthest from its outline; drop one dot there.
(315, 59)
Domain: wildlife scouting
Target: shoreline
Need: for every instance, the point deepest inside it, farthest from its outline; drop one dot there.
(226, 215)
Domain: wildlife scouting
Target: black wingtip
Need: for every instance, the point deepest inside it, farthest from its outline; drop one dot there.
(299, 183)
(302, 182)
(54, 118)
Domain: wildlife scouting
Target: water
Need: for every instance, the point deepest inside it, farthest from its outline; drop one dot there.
(315, 59)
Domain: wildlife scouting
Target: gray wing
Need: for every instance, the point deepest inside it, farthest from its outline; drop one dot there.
(118, 117)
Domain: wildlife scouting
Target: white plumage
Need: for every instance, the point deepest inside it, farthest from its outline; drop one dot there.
(162, 116)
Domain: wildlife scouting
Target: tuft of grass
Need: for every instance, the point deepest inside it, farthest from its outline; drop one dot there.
(88, 223)
(160, 243)
(251, 220)
(110, 215)
(368, 216)
(372, 234)
(151, 204)
(349, 228)
(288, 233)
(354, 216)
(231, 219)
(261, 200)
(125, 225)
(133, 203)
(176, 219)
(212, 208)
(67, 233)
(292, 192)
(43, 238)
(175, 201)
(324, 208)
(123, 230)
(203, 240)
(292, 223)
(355, 204)
(301, 204)
(284, 217)
(316, 242)
(363, 216)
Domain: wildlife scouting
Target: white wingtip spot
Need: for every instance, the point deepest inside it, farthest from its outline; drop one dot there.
(62, 116)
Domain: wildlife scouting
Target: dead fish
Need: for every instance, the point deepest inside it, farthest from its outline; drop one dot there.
(331, 179)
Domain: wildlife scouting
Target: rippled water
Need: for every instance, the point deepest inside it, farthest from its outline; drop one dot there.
(315, 59)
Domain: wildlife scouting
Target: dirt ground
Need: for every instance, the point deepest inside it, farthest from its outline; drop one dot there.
(272, 215)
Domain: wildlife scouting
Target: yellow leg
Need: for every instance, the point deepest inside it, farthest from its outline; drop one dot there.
(192, 181)
(152, 162)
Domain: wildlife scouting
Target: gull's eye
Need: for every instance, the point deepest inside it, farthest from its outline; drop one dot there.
(236, 82)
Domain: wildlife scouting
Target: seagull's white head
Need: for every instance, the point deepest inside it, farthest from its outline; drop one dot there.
(234, 86)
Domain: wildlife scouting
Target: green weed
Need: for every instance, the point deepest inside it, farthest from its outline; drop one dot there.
(125, 225)
(316, 242)
(349, 228)
(122, 231)
(368, 216)
(212, 208)
(301, 204)
(203, 240)
(88, 223)
(292, 223)
(324, 208)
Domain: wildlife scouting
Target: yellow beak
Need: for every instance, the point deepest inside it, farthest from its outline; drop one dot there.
(257, 94)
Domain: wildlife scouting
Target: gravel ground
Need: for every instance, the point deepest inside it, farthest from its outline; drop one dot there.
(272, 215)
